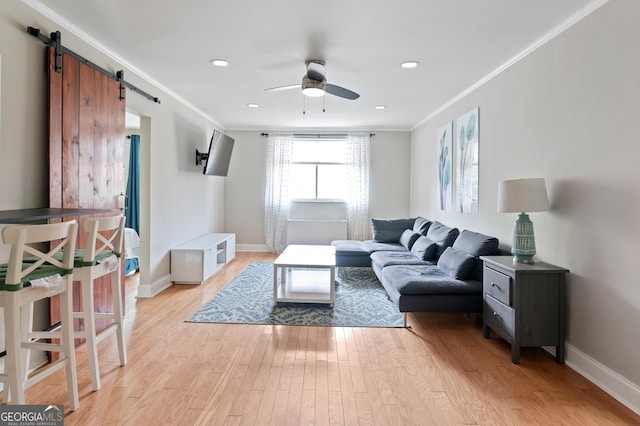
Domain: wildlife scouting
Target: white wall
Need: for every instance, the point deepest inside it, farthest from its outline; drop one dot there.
(178, 202)
(389, 176)
(23, 112)
(244, 189)
(569, 113)
(23, 137)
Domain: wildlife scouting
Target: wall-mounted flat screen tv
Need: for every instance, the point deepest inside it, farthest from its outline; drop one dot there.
(217, 159)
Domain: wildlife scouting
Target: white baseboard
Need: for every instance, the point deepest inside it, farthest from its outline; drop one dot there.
(614, 384)
(252, 247)
(152, 289)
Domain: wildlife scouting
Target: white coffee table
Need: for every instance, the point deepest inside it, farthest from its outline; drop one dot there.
(305, 274)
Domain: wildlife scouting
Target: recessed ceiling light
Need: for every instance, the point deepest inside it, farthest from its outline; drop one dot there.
(253, 105)
(380, 107)
(219, 62)
(409, 64)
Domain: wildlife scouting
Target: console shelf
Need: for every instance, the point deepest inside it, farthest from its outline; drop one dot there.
(194, 262)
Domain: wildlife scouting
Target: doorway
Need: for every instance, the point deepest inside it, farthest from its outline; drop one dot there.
(139, 124)
(130, 198)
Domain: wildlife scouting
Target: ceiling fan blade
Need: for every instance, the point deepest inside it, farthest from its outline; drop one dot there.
(341, 91)
(315, 71)
(279, 88)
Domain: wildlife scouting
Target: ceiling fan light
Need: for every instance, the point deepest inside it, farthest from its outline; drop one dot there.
(313, 88)
(219, 62)
(313, 92)
(410, 64)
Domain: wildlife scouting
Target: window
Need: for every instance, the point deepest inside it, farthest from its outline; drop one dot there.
(324, 168)
(318, 169)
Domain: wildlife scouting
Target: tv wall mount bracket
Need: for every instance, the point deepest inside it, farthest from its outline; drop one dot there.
(200, 157)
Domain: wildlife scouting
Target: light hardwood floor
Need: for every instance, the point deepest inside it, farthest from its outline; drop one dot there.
(439, 372)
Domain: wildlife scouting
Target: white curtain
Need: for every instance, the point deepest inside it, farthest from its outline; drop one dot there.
(358, 187)
(276, 203)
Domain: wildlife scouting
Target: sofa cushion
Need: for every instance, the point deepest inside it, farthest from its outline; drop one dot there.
(373, 246)
(408, 237)
(426, 279)
(387, 258)
(477, 244)
(351, 253)
(442, 235)
(421, 225)
(424, 248)
(390, 230)
(350, 248)
(457, 264)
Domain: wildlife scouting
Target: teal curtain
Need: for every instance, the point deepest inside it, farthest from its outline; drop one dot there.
(132, 211)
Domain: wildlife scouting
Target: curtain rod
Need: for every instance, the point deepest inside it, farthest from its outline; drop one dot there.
(56, 43)
(318, 135)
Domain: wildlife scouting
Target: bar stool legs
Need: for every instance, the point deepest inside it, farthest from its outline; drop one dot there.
(13, 361)
(89, 317)
(66, 313)
(101, 262)
(18, 344)
(18, 292)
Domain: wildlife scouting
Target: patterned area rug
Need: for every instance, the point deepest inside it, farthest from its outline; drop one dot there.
(360, 301)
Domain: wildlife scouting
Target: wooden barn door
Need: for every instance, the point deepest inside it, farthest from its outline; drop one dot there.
(86, 143)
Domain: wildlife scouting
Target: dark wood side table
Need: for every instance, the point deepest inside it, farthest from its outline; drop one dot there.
(525, 304)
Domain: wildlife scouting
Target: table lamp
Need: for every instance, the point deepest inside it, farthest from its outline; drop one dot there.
(521, 196)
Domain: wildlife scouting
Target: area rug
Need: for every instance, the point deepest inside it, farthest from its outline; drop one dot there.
(360, 301)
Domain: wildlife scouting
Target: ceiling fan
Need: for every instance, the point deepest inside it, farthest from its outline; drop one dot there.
(314, 83)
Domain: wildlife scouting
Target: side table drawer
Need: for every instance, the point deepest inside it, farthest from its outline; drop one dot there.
(497, 285)
(499, 316)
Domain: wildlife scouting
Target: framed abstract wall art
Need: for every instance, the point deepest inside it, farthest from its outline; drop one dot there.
(467, 131)
(444, 139)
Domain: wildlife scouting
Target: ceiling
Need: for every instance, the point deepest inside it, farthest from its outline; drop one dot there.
(457, 43)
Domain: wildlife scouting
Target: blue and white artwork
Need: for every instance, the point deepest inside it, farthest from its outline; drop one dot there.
(444, 139)
(467, 130)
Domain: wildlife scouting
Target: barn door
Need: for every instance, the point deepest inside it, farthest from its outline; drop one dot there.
(86, 143)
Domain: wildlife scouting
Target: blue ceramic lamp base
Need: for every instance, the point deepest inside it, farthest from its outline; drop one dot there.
(524, 243)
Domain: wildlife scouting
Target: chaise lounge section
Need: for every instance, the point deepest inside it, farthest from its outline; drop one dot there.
(425, 266)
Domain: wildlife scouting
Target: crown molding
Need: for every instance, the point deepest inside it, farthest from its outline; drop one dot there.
(550, 35)
(73, 29)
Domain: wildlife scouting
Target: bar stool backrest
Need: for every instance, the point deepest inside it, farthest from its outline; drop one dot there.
(104, 234)
(26, 242)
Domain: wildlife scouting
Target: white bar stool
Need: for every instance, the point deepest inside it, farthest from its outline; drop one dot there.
(101, 256)
(46, 273)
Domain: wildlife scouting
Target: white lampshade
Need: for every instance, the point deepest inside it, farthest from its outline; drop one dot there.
(522, 195)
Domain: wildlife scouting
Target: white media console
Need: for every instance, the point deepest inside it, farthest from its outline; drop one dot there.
(197, 260)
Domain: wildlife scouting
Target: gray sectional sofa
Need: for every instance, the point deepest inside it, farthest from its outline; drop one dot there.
(424, 266)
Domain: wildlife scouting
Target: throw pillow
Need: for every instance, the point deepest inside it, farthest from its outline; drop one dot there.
(457, 263)
(476, 244)
(390, 230)
(421, 225)
(443, 235)
(425, 249)
(408, 238)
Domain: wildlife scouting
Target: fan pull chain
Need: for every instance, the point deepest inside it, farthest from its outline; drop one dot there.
(304, 105)
(323, 101)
